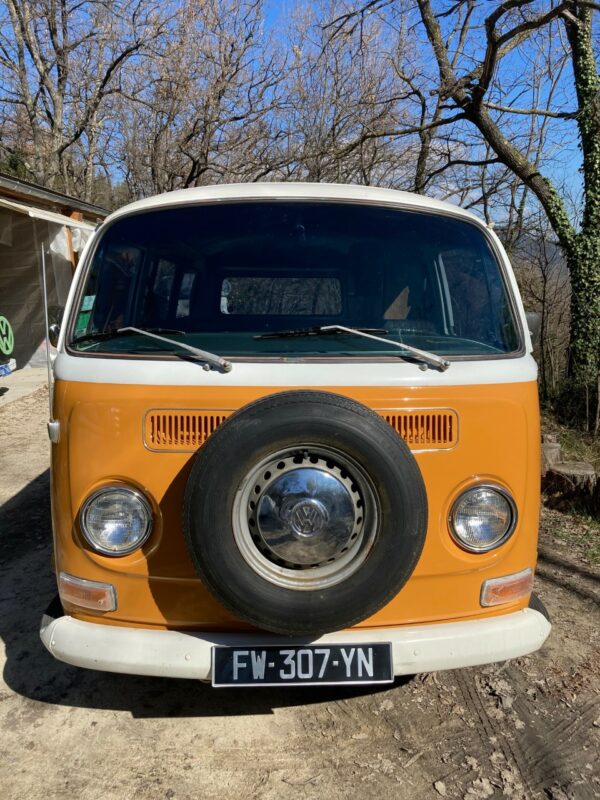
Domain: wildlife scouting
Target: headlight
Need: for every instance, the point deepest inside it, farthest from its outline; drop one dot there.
(116, 520)
(482, 518)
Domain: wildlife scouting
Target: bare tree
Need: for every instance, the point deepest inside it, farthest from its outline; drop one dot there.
(472, 45)
(544, 282)
(334, 92)
(59, 61)
(197, 113)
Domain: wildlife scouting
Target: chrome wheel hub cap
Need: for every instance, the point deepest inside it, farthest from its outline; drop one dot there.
(305, 518)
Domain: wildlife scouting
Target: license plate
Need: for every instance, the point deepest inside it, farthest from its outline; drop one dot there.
(309, 664)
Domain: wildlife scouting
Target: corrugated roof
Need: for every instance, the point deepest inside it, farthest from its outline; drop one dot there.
(49, 196)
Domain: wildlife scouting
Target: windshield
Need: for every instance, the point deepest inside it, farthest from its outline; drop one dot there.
(221, 276)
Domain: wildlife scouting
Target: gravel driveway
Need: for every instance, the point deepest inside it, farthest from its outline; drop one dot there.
(529, 728)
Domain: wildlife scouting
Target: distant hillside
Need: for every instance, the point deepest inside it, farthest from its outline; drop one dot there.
(531, 249)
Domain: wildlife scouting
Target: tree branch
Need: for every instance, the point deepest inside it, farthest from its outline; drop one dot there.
(539, 112)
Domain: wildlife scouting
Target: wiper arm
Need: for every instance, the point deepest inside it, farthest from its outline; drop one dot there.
(98, 336)
(368, 333)
(210, 359)
(423, 355)
(318, 330)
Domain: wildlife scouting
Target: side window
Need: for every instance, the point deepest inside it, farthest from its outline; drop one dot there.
(469, 295)
(479, 308)
(107, 303)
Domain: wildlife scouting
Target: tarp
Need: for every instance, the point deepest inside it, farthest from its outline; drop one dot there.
(22, 236)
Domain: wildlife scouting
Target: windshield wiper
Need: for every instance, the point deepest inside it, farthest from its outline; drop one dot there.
(423, 355)
(318, 330)
(368, 333)
(209, 359)
(99, 336)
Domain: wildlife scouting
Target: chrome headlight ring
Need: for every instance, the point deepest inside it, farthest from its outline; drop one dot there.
(128, 524)
(494, 493)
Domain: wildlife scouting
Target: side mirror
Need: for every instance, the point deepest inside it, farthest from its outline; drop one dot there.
(53, 334)
(534, 323)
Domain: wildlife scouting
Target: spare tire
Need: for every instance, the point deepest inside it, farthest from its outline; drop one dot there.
(305, 512)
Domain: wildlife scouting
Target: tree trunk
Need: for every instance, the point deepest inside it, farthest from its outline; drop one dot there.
(583, 260)
(583, 257)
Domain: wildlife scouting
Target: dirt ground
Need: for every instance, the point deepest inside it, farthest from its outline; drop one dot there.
(529, 728)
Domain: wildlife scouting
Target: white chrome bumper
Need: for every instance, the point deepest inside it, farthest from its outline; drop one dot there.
(175, 654)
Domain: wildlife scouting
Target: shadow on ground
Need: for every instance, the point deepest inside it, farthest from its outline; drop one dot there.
(27, 586)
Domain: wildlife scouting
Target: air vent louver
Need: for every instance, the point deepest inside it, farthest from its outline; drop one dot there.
(425, 430)
(182, 430)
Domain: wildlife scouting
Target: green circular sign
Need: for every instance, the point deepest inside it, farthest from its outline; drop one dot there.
(7, 337)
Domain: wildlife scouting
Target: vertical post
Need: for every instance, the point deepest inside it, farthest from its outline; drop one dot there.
(47, 324)
(69, 236)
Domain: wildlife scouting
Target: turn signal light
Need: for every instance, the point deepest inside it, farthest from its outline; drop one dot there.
(87, 594)
(496, 591)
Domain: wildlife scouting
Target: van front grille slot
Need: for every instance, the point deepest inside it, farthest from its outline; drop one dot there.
(180, 431)
(185, 430)
(425, 430)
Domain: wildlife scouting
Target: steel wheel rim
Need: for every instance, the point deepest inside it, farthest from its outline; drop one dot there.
(277, 538)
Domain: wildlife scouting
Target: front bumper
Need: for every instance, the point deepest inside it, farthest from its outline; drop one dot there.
(179, 654)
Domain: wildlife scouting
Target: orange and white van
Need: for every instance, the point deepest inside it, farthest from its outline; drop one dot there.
(295, 439)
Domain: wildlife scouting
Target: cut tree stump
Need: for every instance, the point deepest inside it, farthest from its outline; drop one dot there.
(551, 452)
(573, 480)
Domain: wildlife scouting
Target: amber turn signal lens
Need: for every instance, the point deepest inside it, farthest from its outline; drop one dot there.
(496, 591)
(92, 595)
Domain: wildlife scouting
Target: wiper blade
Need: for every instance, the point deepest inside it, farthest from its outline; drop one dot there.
(423, 355)
(319, 330)
(99, 336)
(209, 359)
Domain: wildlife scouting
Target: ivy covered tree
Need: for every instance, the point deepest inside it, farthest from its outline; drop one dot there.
(475, 46)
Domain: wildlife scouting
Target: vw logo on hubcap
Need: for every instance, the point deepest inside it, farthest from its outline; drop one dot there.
(308, 517)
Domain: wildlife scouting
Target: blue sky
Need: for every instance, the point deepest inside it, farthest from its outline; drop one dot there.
(563, 162)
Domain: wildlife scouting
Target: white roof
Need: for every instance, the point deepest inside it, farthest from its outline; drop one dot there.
(293, 191)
